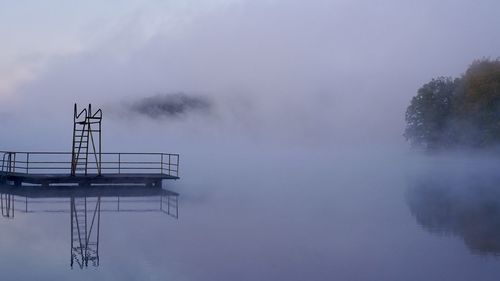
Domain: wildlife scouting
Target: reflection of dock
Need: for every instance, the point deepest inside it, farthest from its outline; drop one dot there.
(30, 199)
(85, 206)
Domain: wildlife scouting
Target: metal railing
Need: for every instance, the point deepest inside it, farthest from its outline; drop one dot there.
(111, 163)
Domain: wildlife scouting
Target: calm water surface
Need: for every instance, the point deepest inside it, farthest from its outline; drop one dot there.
(291, 217)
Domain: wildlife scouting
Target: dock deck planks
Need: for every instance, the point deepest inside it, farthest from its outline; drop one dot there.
(49, 179)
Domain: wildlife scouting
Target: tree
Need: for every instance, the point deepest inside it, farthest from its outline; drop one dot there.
(457, 112)
(427, 114)
(477, 104)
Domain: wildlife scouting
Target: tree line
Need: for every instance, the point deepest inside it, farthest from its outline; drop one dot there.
(457, 112)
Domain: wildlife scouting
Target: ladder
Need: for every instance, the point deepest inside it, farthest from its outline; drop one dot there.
(86, 140)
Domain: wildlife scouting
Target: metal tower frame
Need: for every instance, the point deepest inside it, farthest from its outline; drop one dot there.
(85, 125)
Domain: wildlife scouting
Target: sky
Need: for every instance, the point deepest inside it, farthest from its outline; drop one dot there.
(301, 73)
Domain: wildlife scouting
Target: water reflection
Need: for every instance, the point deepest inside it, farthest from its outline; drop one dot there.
(85, 206)
(470, 211)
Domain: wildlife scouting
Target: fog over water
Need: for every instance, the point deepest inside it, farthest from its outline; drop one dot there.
(288, 116)
(328, 72)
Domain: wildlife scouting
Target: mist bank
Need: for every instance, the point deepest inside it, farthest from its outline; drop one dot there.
(306, 82)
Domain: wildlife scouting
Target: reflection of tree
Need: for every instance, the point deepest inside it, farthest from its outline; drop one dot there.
(471, 212)
(85, 208)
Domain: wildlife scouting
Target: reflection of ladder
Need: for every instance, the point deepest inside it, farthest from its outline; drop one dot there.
(7, 205)
(85, 232)
(85, 125)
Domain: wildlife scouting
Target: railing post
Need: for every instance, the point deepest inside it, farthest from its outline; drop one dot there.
(27, 163)
(169, 165)
(12, 162)
(119, 162)
(9, 162)
(161, 164)
(10, 167)
(3, 161)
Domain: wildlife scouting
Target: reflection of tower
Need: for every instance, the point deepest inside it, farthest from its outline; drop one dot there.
(7, 205)
(85, 208)
(85, 226)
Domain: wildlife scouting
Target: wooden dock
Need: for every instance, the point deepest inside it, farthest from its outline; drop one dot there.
(53, 169)
(86, 164)
(18, 179)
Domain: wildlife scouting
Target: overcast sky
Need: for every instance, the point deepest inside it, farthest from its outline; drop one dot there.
(312, 72)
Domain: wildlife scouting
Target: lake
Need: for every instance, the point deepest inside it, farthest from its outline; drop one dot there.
(268, 215)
